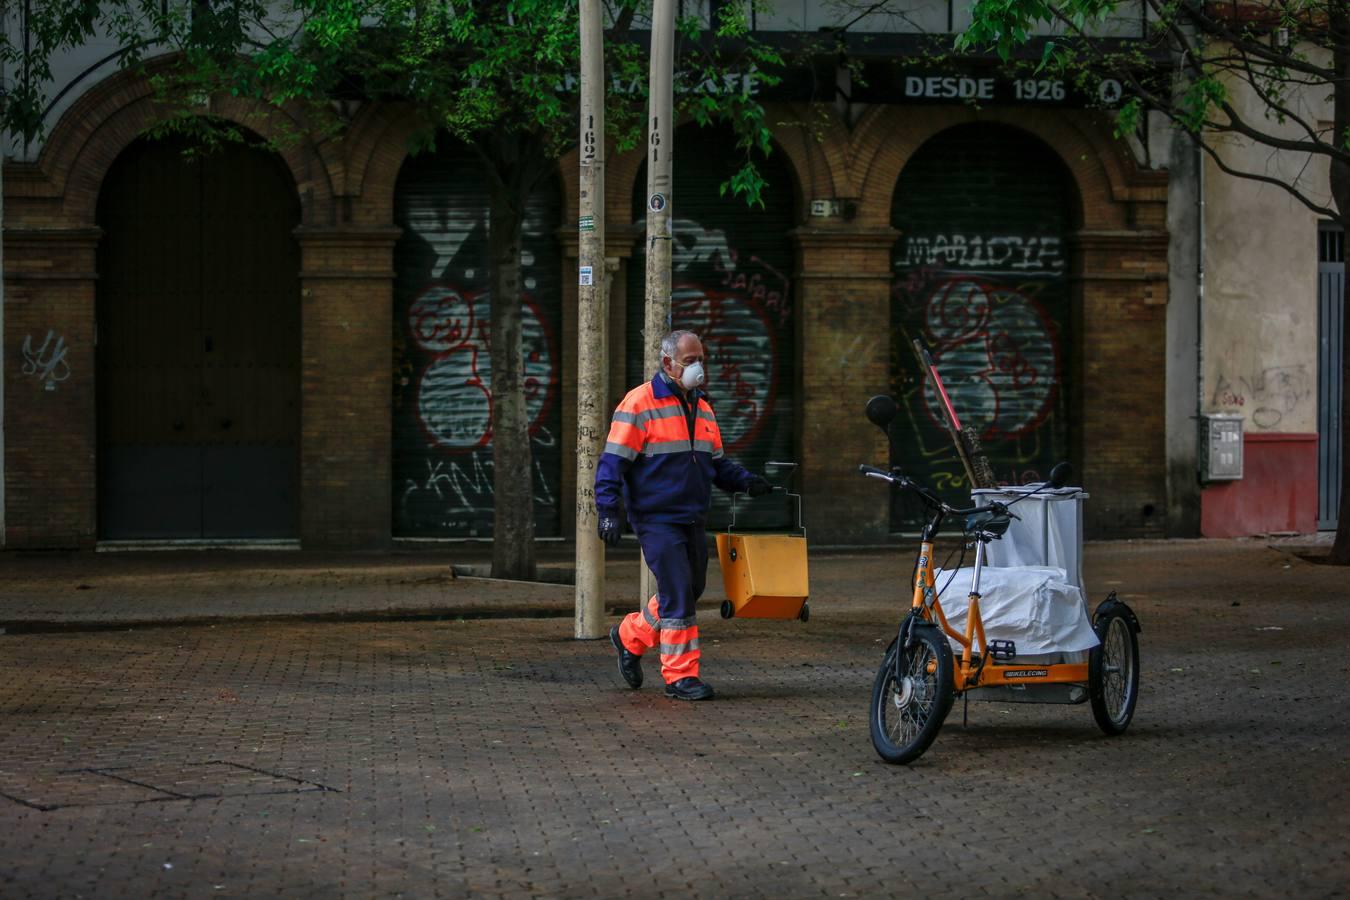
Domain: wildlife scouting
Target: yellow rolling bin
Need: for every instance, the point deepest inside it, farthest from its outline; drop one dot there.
(764, 575)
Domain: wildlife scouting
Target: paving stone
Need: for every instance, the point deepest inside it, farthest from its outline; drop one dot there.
(499, 757)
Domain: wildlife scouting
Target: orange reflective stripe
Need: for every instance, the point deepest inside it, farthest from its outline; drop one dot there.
(638, 630)
(638, 399)
(641, 398)
(629, 436)
(663, 431)
(708, 428)
(651, 425)
(683, 665)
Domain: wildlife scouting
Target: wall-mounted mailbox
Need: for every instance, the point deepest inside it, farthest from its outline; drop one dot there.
(1220, 447)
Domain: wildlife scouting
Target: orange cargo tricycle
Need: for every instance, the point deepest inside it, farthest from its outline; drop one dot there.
(919, 677)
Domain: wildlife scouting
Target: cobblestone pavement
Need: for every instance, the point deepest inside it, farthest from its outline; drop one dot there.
(46, 590)
(501, 757)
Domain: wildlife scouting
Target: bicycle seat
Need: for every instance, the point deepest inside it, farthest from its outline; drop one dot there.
(988, 522)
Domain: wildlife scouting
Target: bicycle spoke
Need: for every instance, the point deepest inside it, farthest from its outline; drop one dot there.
(910, 719)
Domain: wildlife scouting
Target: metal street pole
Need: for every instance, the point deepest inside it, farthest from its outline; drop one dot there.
(660, 143)
(592, 326)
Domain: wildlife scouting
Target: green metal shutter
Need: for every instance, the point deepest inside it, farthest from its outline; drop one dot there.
(981, 274)
(442, 459)
(731, 284)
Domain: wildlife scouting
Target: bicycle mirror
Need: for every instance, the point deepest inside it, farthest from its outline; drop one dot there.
(1060, 475)
(881, 410)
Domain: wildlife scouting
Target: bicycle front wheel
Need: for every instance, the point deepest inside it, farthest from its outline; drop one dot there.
(909, 706)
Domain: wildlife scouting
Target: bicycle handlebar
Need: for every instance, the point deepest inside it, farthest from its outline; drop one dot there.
(928, 497)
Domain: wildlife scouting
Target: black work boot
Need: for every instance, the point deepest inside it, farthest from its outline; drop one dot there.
(689, 689)
(630, 664)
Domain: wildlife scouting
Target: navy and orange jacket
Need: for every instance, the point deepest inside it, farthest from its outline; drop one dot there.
(654, 465)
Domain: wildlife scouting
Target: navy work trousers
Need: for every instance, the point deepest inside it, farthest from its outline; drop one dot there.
(678, 555)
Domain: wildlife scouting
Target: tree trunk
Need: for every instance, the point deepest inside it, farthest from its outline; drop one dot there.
(512, 459)
(1339, 20)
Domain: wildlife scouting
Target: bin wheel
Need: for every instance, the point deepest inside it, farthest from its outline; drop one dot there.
(805, 613)
(1113, 668)
(727, 609)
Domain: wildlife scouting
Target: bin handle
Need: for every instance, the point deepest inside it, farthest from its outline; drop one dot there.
(731, 526)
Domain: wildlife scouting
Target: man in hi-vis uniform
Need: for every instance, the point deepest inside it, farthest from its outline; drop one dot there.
(662, 457)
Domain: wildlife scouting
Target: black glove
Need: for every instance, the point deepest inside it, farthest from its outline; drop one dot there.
(758, 487)
(609, 530)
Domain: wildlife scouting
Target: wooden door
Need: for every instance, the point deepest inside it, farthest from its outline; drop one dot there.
(198, 345)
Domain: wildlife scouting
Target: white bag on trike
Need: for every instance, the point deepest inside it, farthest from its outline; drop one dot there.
(1033, 606)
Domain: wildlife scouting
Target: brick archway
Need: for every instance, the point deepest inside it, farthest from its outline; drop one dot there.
(109, 116)
(1117, 270)
(52, 240)
(1106, 180)
(376, 147)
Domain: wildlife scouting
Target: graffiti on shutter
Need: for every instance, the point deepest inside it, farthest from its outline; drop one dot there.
(442, 461)
(980, 274)
(731, 284)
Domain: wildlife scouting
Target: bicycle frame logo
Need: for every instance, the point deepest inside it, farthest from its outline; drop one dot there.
(1026, 673)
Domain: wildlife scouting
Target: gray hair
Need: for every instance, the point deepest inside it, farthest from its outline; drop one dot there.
(671, 342)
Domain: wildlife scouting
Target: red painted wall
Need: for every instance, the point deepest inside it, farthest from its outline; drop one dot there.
(1277, 492)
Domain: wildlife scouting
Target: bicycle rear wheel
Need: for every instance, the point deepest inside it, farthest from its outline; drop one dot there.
(1113, 668)
(908, 709)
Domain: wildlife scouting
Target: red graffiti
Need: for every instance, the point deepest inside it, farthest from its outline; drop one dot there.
(454, 390)
(997, 353)
(740, 348)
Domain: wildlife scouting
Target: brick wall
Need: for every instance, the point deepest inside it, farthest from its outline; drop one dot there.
(50, 437)
(843, 314)
(346, 386)
(1119, 366)
(842, 302)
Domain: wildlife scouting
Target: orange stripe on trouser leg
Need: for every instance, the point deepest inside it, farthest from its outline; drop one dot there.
(679, 653)
(637, 631)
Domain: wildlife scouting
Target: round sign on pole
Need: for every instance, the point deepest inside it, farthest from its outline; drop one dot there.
(656, 202)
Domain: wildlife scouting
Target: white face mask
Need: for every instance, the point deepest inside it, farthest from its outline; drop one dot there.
(692, 376)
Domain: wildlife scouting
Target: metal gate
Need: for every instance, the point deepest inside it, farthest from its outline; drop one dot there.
(981, 275)
(198, 345)
(731, 268)
(1330, 368)
(442, 459)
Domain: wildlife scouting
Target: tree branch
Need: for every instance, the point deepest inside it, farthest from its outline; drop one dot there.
(1285, 186)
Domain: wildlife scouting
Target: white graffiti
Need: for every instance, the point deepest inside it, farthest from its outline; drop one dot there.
(1003, 253)
(445, 230)
(694, 245)
(48, 362)
(454, 392)
(454, 491)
